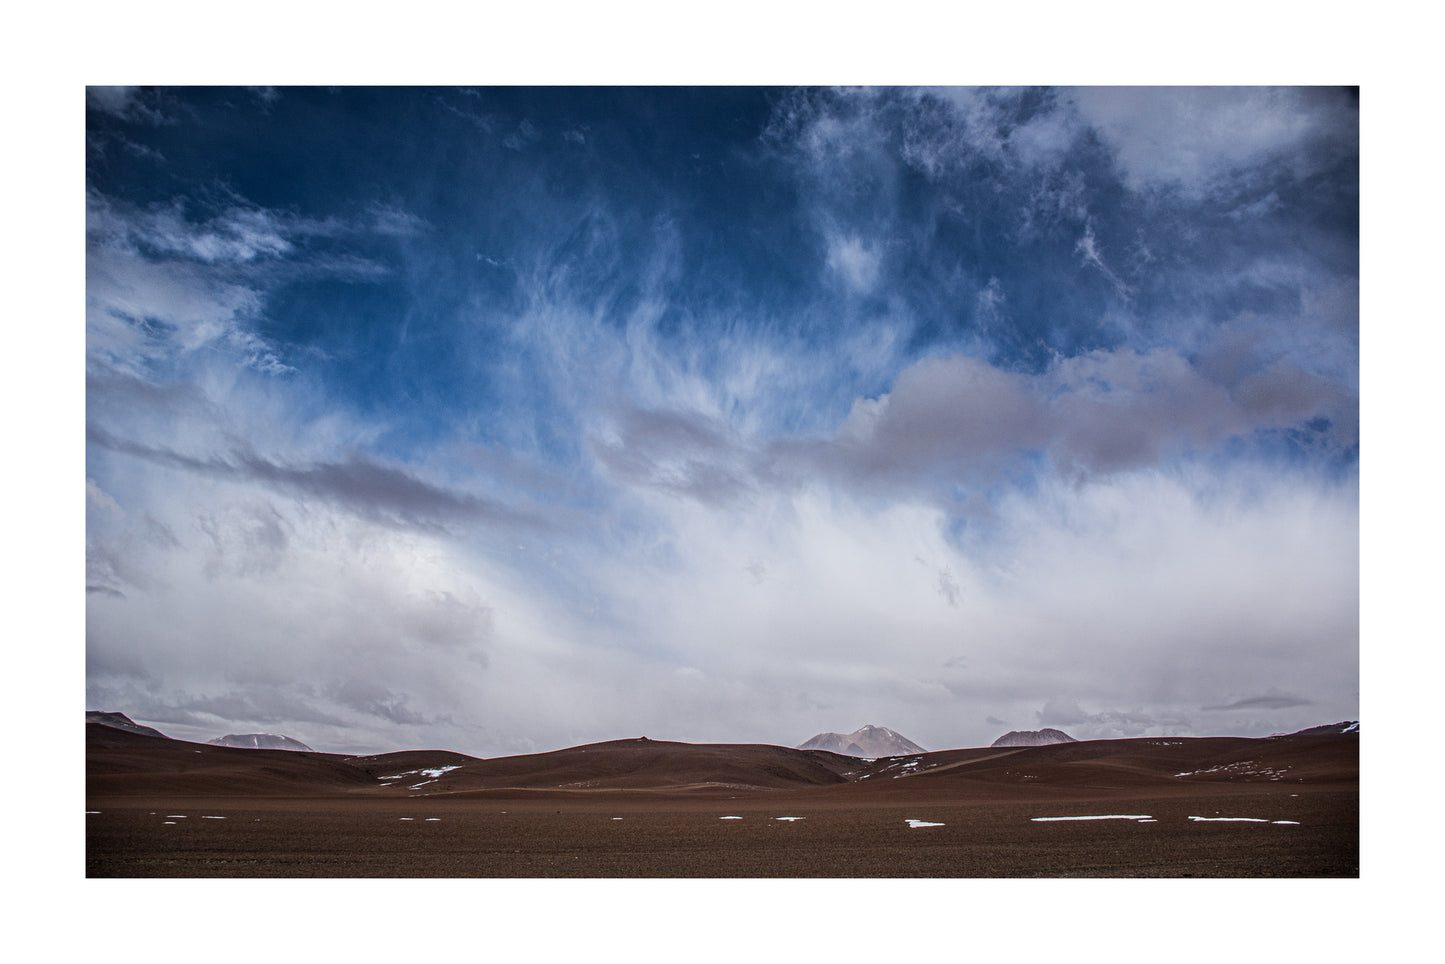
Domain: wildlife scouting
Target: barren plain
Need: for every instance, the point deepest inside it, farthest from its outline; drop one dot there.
(1179, 807)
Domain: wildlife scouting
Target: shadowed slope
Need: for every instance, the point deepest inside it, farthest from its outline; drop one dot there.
(1091, 766)
(120, 763)
(655, 764)
(121, 722)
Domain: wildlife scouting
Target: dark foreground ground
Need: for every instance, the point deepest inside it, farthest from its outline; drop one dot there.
(640, 809)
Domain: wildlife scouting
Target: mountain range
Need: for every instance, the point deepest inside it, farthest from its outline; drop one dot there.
(869, 742)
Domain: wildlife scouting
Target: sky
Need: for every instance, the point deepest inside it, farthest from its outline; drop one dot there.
(508, 419)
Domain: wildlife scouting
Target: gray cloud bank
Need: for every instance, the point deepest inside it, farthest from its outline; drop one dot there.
(957, 419)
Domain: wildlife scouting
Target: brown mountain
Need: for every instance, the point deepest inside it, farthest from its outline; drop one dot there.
(120, 721)
(1343, 727)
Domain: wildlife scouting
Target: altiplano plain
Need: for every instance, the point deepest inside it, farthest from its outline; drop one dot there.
(1284, 806)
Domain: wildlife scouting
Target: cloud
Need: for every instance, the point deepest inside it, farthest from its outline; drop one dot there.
(235, 234)
(358, 483)
(685, 453)
(139, 312)
(134, 104)
(1274, 702)
(960, 419)
(372, 699)
(1192, 138)
(174, 279)
(152, 293)
(847, 606)
(264, 614)
(856, 263)
(1103, 725)
(1088, 249)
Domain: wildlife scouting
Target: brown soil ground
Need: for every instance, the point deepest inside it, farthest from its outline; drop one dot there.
(629, 808)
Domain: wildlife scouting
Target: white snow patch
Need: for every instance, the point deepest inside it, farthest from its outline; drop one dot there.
(208, 817)
(783, 818)
(420, 785)
(922, 823)
(92, 811)
(175, 816)
(739, 818)
(616, 818)
(408, 818)
(1099, 816)
(1292, 823)
(433, 773)
(1240, 768)
(168, 823)
(1230, 819)
(433, 818)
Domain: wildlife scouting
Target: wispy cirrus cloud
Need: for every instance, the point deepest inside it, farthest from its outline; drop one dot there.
(134, 104)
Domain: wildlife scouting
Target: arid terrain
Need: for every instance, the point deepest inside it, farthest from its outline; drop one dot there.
(1283, 806)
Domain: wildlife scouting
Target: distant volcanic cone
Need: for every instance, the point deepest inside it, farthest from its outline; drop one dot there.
(260, 741)
(1044, 737)
(869, 742)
